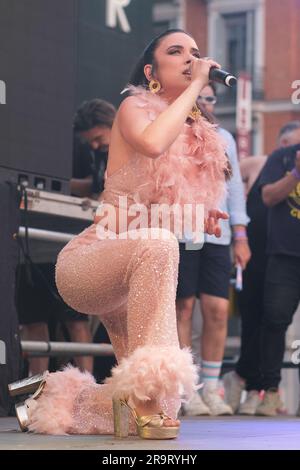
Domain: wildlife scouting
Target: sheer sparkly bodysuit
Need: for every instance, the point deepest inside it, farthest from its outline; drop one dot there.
(131, 285)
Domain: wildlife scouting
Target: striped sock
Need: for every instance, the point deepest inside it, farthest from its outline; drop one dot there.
(210, 373)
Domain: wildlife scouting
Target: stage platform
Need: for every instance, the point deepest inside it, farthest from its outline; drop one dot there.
(206, 433)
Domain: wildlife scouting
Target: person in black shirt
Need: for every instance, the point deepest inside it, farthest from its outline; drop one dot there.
(280, 192)
(248, 374)
(280, 183)
(92, 128)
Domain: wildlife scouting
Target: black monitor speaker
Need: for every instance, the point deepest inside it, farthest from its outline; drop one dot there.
(53, 55)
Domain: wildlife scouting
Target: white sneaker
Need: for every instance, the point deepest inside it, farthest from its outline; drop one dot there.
(271, 405)
(215, 403)
(233, 388)
(195, 407)
(249, 406)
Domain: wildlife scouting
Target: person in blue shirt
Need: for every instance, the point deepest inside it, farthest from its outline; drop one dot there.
(206, 273)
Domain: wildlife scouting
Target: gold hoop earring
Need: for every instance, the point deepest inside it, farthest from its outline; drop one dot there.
(195, 113)
(154, 86)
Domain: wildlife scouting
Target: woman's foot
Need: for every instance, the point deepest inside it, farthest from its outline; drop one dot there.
(151, 407)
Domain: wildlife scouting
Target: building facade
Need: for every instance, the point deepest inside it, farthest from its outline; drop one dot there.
(260, 37)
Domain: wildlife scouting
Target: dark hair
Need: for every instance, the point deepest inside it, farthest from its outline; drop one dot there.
(93, 113)
(137, 76)
(289, 127)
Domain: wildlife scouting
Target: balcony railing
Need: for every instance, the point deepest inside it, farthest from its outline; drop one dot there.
(227, 96)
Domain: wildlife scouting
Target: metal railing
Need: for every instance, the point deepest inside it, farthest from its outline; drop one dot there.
(54, 348)
(46, 235)
(227, 96)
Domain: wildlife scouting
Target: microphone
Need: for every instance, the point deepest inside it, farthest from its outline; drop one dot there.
(221, 76)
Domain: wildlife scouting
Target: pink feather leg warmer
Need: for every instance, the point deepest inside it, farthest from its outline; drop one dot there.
(156, 372)
(72, 403)
(53, 411)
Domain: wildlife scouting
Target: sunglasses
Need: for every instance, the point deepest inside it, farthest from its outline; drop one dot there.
(207, 99)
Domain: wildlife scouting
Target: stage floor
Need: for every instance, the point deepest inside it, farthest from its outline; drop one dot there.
(196, 433)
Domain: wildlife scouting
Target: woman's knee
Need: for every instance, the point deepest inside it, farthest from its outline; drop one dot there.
(158, 234)
(161, 243)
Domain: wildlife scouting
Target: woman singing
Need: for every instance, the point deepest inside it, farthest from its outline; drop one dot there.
(162, 151)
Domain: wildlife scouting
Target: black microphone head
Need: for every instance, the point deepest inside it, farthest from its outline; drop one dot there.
(230, 80)
(221, 76)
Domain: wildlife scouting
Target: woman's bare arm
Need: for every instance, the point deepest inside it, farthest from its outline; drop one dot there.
(153, 138)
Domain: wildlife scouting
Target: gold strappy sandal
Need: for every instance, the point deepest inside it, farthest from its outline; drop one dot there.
(148, 427)
(26, 386)
(21, 408)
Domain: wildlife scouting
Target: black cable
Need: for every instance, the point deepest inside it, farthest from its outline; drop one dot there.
(30, 266)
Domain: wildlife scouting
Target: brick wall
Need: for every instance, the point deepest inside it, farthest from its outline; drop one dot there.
(282, 47)
(196, 23)
(272, 124)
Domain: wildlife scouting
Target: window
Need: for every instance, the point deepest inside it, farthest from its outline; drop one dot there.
(166, 15)
(238, 28)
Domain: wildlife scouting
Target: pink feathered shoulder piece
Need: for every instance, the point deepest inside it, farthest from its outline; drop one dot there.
(192, 170)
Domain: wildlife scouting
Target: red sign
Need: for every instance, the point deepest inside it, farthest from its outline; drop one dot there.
(244, 115)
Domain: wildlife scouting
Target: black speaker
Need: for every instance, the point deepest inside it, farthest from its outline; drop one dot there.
(53, 55)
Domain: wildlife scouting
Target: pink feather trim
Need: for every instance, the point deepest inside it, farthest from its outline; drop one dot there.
(155, 372)
(192, 170)
(52, 413)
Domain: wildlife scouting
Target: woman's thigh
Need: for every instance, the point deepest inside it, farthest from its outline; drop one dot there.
(92, 278)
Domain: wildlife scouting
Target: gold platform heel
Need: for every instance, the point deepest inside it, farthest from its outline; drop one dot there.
(121, 418)
(148, 427)
(22, 409)
(22, 416)
(26, 386)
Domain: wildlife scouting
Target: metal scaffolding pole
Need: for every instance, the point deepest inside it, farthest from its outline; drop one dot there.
(53, 348)
(46, 235)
